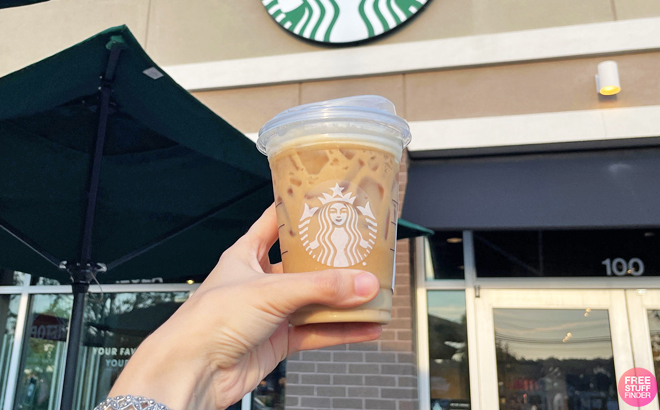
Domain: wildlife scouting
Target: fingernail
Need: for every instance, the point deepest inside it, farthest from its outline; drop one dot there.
(365, 284)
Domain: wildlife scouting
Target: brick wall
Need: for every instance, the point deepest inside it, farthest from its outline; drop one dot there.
(373, 375)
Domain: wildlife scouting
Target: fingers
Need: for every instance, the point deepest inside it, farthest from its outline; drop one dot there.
(276, 268)
(249, 255)
(285, 293)
(263, 233)
(320, 335)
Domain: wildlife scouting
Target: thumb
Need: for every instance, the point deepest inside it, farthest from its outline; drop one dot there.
(340, 288)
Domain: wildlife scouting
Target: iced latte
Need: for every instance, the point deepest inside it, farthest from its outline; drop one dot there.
(336, 197)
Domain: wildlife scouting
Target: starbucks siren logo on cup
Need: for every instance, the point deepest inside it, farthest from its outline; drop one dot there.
(338, 232)
(341, 21)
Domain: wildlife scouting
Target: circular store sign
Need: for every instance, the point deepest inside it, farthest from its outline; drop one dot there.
(341, 21)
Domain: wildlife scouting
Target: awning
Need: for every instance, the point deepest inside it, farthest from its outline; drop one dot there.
(597, 189)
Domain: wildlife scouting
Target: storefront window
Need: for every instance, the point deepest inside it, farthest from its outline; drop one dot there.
(113, 329)
(654, 326)
(8, 314)
(444, 255)
(554, 359)
(114, 326)
(10, 277)
(44, 349)
(269, 395)
(567, 253)
(448, 354)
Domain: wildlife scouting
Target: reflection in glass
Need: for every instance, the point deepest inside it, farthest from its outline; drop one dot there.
(567, 253)
(42, 281)
(448, 355)
(444, 255)
(554, 359)
(235, 406)
(113, 329)
(10, 277)
(269, 394)
(42, 361)
(109, 279)
(8, 313)
(654, 326)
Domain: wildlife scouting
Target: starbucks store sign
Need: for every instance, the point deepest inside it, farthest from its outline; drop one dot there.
(341, 21)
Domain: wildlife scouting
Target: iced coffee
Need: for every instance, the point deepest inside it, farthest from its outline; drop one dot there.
(336, 197)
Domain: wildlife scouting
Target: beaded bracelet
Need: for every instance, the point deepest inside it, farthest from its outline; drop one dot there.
(130, 403)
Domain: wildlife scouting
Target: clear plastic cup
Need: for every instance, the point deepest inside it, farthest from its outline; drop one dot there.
(335, 168)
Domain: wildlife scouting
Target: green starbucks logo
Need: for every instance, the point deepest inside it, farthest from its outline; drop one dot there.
(341, 21)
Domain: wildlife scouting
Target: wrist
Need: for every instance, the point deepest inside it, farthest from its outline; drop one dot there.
(167, 373)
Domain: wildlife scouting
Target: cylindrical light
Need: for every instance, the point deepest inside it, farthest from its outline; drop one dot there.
(607, 79)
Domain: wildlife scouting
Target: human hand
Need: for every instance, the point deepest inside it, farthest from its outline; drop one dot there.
(234, 329)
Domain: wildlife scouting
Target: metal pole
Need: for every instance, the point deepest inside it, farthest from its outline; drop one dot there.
(73, 344)
(82, 271)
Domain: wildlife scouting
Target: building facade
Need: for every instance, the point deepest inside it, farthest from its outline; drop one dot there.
(539, 288)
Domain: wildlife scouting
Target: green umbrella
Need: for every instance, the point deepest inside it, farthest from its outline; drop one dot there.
(15, 3)
(109, 169)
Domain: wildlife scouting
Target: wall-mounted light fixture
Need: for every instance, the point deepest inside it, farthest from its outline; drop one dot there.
(607, 79)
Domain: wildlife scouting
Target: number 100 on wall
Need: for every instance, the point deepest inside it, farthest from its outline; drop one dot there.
(621, 267)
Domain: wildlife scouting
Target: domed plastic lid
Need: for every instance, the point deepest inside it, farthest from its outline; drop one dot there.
(362, 109)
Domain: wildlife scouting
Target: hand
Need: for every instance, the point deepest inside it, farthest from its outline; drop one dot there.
(234, 329)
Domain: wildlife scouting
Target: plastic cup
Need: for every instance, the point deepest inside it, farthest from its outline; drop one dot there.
(335, 168)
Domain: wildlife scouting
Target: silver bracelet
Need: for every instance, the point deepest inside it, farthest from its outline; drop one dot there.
(130, 403)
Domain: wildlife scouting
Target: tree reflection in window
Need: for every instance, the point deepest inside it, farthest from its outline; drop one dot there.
(554, 359)
(114, 327)
(8, 314)
(42, 359)
(448, 355)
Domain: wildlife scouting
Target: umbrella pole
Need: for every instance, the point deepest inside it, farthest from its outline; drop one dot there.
(83, 271)
(73, 345)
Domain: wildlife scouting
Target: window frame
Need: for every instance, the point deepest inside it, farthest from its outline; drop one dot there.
(26, 291)
(422, 287)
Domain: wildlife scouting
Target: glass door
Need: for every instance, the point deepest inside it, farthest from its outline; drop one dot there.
(44, 348)
(552, 349)
(644, 315)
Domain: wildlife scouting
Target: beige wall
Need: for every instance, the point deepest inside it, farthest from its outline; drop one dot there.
(551, 86)
(184, 31)
(31, 33)
(564, 85)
